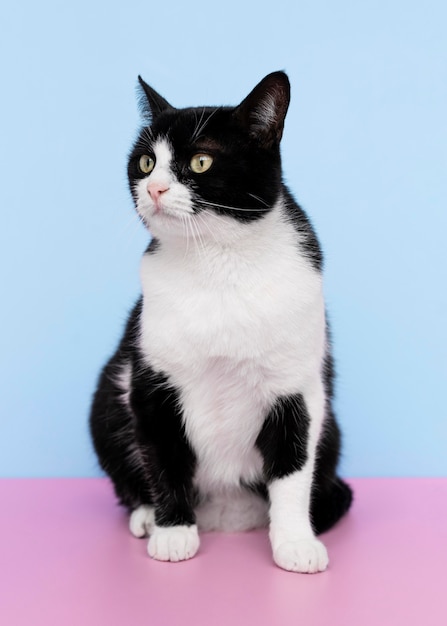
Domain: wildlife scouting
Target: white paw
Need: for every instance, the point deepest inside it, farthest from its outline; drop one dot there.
(173, 543)
(307, 556)
(141, 521)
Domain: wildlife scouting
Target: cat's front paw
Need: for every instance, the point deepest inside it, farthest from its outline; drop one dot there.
(173, 543)
(141, 521)
(306, 556)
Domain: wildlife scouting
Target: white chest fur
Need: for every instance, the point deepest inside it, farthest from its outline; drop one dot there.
(233, 326)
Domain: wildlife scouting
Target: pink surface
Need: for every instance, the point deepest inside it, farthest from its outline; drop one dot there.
(67, 559)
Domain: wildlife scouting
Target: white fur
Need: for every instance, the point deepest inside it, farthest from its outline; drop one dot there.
(235, 315)
(123, 380)
(132, 451)
(142, 521)
(173, 543)
(234, 336)
(232, 510)
(293, 542)
(175, 202)
(266, 112)
(306, 556)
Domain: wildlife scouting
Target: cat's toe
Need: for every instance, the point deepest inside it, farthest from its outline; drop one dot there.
(173, 543)
(306, 556)
(141, 521)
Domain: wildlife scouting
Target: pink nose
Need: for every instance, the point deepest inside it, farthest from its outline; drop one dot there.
(155, 190)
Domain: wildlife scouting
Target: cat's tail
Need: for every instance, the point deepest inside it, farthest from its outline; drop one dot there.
(330, 504)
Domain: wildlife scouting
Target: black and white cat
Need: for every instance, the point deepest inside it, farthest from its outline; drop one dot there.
(215, 411)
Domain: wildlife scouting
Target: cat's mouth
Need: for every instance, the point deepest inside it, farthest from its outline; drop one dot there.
(158, 209)
(168, 218)
(170, 209)
(164, 209)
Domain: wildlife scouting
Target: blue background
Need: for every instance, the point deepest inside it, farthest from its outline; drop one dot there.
(364, 152)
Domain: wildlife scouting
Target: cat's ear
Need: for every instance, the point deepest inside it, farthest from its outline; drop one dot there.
(151, 103)
(263, 111)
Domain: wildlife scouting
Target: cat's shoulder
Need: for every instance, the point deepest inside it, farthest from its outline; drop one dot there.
(308, 240)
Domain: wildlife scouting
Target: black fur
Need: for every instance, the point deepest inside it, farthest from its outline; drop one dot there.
(283, 437)
(155, 430)
(139, 439)
(233, 180)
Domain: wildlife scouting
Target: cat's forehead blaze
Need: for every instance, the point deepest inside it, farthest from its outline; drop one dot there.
(163, 153)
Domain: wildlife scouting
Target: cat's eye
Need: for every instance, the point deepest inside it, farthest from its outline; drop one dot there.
(146, 164)
(201, 163)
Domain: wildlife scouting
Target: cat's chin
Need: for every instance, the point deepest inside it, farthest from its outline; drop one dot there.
(165, 225)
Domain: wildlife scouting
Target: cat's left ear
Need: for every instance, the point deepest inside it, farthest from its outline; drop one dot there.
(263, 111)
(151, 103)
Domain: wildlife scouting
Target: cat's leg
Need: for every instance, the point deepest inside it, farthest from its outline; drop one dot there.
(331, 497)
(288, 442)
(171, 463)
(114, 438)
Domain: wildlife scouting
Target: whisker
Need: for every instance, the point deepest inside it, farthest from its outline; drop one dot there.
(199, 217)
(232, 208)
(186, 224)
(216, 216)
(130, 232)
(201, 245)
(190, 225)
(258, 199)
(146, 137)
(199, 130)
(148, 131)
(194, 135)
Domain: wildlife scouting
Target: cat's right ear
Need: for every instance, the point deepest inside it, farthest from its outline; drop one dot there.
(263, 111)
(151, 103)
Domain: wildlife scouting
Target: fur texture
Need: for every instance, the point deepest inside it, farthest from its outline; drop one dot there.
(215, 411)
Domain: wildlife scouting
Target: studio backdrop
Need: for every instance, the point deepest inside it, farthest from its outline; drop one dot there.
(364, 152)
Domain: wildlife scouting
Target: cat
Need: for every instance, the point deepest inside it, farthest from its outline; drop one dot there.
(215, 412)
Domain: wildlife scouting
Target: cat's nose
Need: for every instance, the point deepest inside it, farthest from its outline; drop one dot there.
(155, 190)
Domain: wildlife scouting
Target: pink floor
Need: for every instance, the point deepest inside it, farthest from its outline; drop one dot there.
(67, 559)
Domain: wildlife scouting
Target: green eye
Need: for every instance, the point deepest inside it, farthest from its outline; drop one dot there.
(146, 164)
(201, 163)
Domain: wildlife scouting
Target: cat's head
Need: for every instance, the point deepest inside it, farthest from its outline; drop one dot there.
(195, 167)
